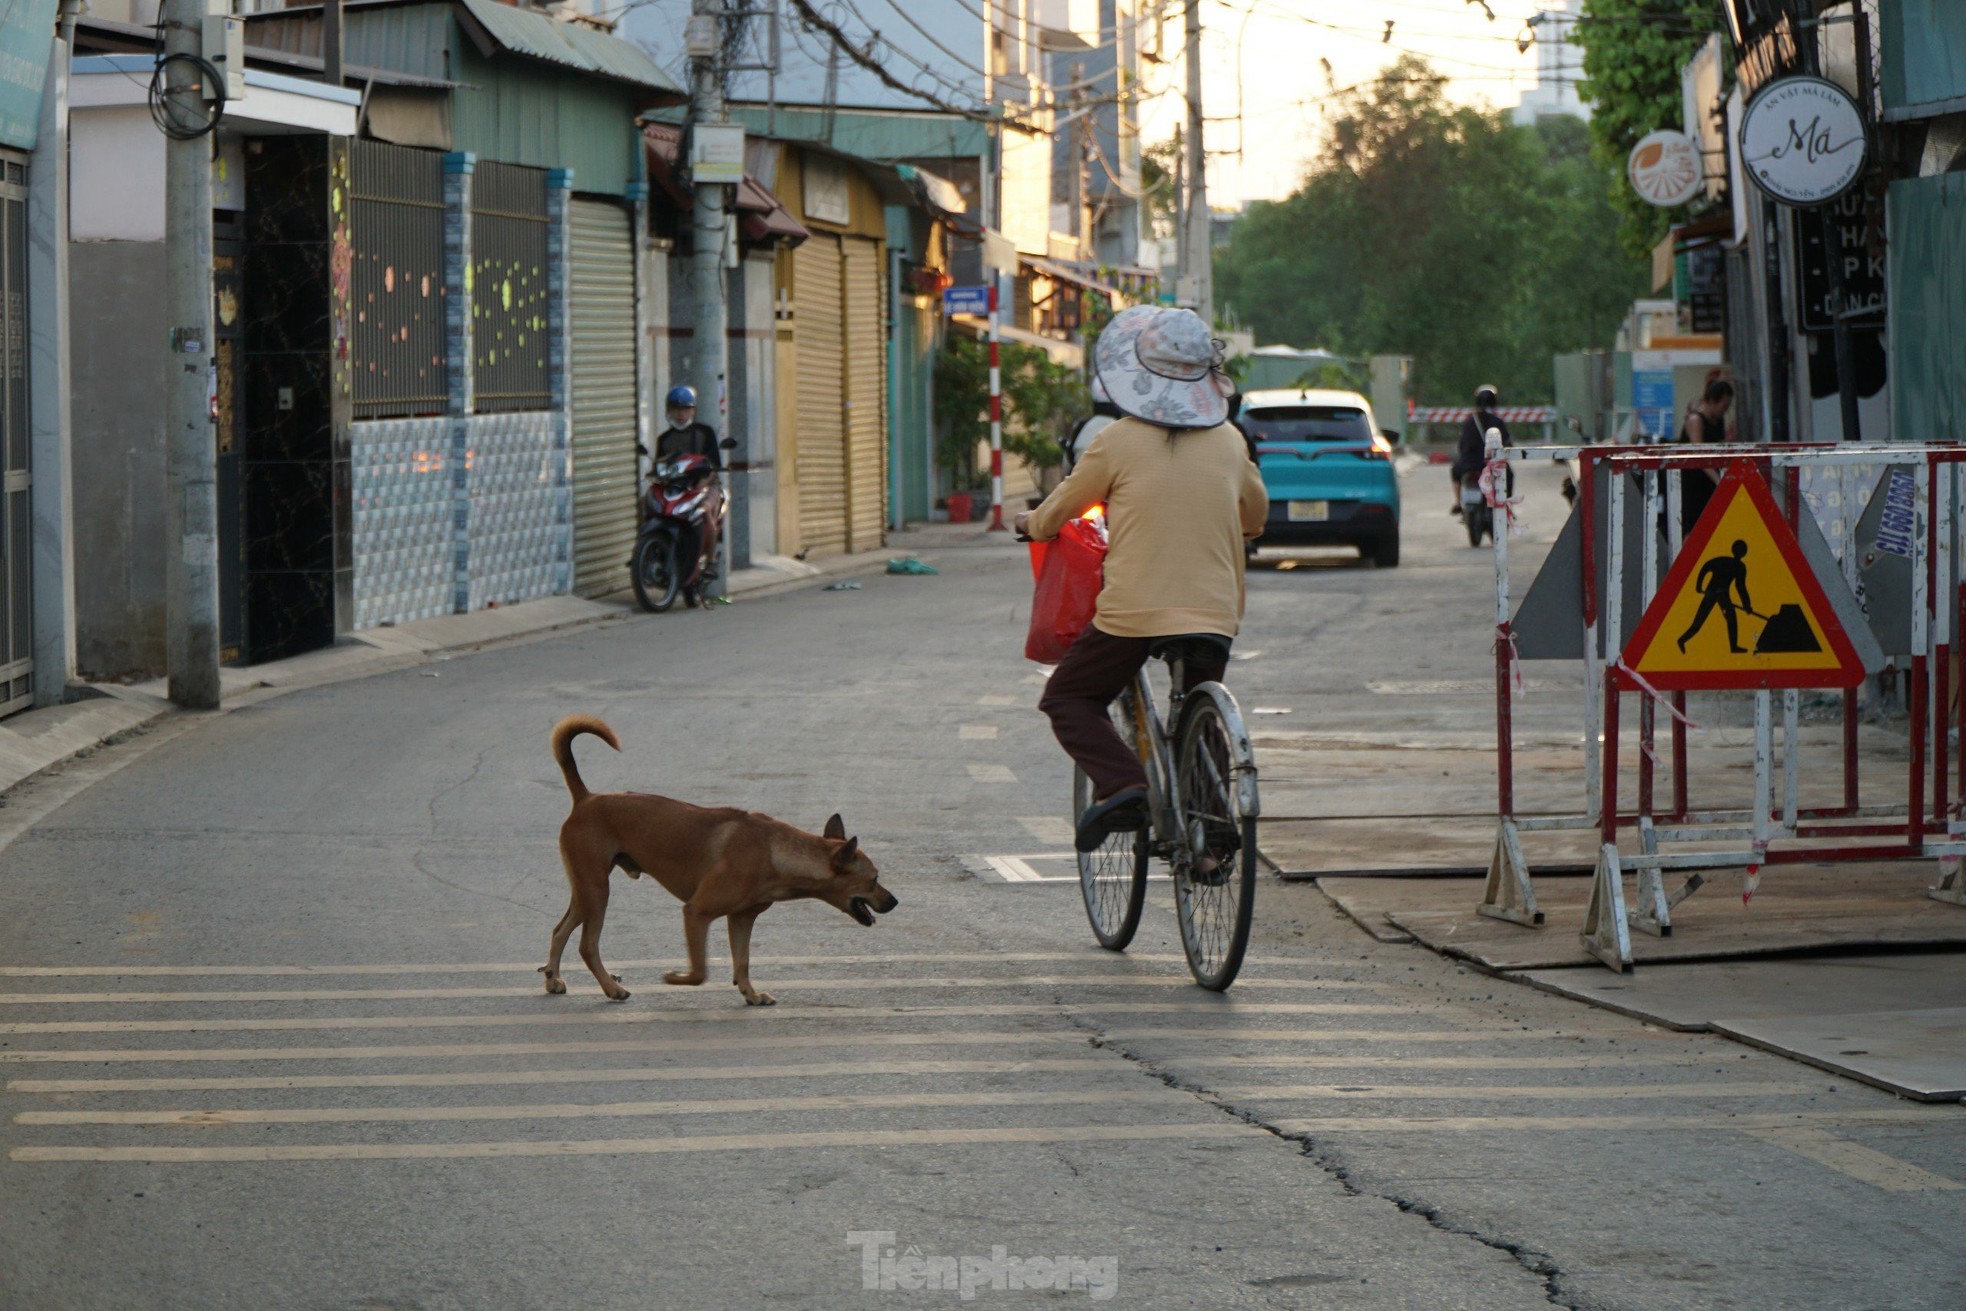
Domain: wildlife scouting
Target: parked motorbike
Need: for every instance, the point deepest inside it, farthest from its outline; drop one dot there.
(682, 524)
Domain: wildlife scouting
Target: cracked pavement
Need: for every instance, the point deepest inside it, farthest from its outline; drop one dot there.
(270, 1033)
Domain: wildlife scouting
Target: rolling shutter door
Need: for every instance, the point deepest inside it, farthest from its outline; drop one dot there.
(602, 363)
(866, 408)
(822, 436)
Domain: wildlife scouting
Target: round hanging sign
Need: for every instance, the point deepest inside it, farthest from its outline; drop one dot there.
(1665, 170)
(1803, 141)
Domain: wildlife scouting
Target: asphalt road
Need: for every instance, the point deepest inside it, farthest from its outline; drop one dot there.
(271, 1036)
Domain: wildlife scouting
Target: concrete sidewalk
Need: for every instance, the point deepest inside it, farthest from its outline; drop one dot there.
(39, 739)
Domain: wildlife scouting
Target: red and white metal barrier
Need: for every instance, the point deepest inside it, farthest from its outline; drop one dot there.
(1777, 829)
(1457, 414)
(996, 416)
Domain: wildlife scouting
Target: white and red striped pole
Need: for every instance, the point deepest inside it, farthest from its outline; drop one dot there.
(996, 419)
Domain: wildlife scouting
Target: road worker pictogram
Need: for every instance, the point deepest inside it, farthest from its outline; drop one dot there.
(1740, 606)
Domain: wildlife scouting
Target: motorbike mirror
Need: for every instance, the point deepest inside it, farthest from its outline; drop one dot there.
(728, 443)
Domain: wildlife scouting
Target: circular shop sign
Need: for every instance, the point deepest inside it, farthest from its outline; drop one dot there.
(1665, 169)
(1803, 140)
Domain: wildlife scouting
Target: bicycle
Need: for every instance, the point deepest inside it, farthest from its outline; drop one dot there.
(1203, 806)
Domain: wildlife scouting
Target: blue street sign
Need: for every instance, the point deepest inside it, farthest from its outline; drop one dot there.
(966, 300)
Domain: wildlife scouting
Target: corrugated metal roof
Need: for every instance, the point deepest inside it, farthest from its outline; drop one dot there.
(529, 32)
(415, 37)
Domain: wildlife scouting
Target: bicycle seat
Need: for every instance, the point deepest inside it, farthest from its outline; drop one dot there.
(1191, 649)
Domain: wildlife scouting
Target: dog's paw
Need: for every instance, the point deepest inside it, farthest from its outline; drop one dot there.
(555, 985)
(760, 999)
(618, 993)
(683, 978)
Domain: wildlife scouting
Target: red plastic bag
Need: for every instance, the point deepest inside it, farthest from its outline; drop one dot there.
(1069, 571)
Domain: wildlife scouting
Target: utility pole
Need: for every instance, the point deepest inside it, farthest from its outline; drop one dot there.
(709, 325)
(190, 456)
(1195, 238)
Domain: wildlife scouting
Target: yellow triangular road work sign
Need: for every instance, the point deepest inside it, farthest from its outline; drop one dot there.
(1740, 607)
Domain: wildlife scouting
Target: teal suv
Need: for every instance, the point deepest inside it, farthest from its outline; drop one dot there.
(1328, 470)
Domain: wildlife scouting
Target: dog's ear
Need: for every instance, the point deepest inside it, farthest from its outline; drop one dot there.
(835, 828)
(844, 856)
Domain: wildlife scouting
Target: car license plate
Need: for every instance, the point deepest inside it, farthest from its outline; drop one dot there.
(1310, 511)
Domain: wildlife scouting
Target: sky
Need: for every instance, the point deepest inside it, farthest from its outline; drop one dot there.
(1270, 52)
(1264, 73)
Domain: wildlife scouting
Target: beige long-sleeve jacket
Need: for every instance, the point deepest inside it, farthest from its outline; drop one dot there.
(1178, 508)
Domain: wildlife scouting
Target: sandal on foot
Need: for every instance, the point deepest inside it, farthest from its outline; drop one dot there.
(1124, 811)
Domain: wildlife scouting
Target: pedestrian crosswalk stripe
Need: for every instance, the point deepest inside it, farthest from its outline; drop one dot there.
(1089, 955)
(992, 774)
(1879, 1169)
(205, 1117)
(1553, 1123)
(858, 1139)
(977, 733)
(534, 990)
(602, 1074)
(560, 1016)
(1558, 1092)
(748, 1043)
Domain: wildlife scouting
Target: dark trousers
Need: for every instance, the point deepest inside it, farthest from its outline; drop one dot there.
(1096, 669)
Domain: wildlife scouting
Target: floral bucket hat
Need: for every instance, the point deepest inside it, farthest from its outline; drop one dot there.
(1158, 365)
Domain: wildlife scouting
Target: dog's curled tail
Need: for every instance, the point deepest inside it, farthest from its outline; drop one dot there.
(564, 733)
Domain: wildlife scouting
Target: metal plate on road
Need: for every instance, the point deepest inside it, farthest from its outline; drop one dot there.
(1310, 511)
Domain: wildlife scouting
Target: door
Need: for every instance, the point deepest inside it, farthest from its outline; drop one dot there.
(866, 398)
(822, 465)
(603, 389)
(16, 498)
(228, 266)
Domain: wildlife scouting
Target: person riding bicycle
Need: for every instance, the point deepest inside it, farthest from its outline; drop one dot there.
(1473, 451)
(1181, 496)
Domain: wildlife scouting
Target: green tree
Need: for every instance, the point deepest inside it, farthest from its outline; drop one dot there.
(1441, 232)
(1633, 53)
(1041, 399)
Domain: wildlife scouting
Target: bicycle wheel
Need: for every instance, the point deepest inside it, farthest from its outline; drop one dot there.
(1215, 864)
(1112, 879)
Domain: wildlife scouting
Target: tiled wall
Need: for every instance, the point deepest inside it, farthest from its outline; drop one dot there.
(405, 520)
(519, 498)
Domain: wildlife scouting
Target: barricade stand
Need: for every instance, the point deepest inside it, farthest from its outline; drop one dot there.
(1817, 636)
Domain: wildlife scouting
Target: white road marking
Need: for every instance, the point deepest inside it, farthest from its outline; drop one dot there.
(1041, 677)
(858, 1139)
(556, 1017)
(519, 967)
(1879, 1169)
(1013, 869)
(746, 1043)
(598, 1110)
(1545, 1123)
(992, 774)
(1558, 1092)
(977, 732)
(996, 700)
(902, 982)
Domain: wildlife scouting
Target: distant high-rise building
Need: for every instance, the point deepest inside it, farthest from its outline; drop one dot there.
(1559, 67)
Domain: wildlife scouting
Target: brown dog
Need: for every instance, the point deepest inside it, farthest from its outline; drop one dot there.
(716, 862)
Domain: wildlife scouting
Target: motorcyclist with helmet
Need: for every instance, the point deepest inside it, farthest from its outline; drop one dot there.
(1473, 451)
(685, 436)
